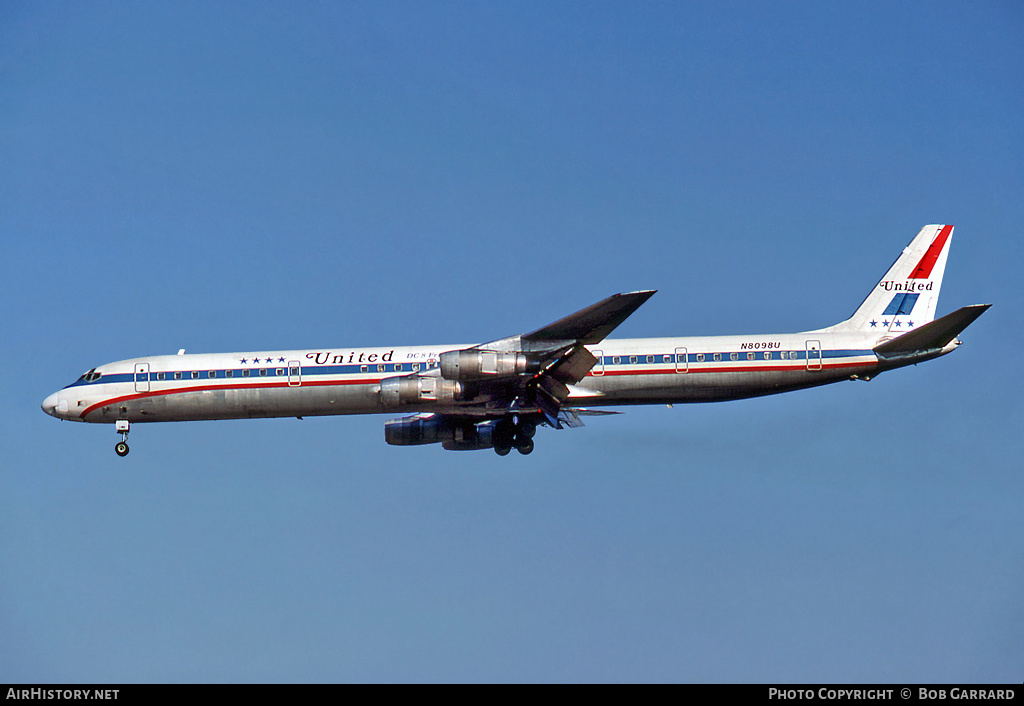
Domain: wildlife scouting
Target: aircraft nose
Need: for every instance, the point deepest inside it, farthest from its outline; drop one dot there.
(54, 405)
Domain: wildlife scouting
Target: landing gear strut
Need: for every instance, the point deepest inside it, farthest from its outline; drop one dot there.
(121, 447)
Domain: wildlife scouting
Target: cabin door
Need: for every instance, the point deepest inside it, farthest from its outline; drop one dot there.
(142, 377)
(814, 355)
(681, 361)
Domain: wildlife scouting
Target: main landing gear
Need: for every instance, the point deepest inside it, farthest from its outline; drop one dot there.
(518, 434)
(121, 447)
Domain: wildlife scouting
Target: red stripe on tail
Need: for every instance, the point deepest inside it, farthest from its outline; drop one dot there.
(924, 267)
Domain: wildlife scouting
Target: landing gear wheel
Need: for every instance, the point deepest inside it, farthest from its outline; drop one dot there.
(504, 436)
(526, 429)
(524, 446)
(121, 447)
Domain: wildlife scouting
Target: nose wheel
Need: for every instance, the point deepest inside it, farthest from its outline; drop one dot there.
(121, 447)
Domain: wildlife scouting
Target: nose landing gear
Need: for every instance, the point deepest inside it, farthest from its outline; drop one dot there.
(121, 447)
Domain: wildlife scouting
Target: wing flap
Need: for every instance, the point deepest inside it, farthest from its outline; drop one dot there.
(573, 366)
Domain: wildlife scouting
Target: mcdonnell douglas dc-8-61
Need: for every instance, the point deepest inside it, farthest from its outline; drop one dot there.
(495, 395)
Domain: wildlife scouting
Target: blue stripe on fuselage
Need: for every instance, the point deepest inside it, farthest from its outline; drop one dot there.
(390, 368)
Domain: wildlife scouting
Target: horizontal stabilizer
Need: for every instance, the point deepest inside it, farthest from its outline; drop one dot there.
(593, 324)
(934, 335)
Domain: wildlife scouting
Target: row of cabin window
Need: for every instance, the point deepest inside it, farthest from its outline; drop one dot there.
(681, 358)
(246, 372)
(264, 372)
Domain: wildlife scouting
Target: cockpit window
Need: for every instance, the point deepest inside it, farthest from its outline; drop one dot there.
(91, 376)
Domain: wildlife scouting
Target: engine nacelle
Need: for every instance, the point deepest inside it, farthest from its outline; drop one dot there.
(431, 429)
(412, 431)
(473, 364)
(413, 389)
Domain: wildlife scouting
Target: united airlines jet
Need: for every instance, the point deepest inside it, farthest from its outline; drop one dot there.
(495, 395)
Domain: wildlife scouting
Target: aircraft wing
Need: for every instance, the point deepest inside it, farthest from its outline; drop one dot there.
(593, 324)
(557, 356)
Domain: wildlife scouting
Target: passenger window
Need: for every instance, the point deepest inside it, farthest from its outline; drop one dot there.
(718, 356)
(279, 371)
(415, 367)
(650, 359)
(734, 356)
(700, 357)
(246, 372)
(195, 374)
(380, 368)
(767, 355)
(212, 374)
(263, 372)
(229, 373)
(293, 371)
(616, 360)
(666, 359)
(364, 368)
(177, 375)
(398, 367)
(161, 376)
(632, 360)
(750, 356)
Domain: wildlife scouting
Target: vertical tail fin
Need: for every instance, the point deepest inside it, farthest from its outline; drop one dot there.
(907, 295)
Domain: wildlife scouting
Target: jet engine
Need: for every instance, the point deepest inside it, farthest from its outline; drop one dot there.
(412, 389)
(474, 364)
(454, 435)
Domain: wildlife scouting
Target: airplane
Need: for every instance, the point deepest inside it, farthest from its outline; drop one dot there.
(495, 395)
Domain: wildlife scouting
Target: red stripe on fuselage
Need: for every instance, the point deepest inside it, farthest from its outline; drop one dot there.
(924, 267)
(376, 381)
(738, 369)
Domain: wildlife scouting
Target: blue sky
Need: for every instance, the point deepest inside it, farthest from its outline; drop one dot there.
(235, 176)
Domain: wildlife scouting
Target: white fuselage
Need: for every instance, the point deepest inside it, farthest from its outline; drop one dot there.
(300, 383)
(496, 394)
